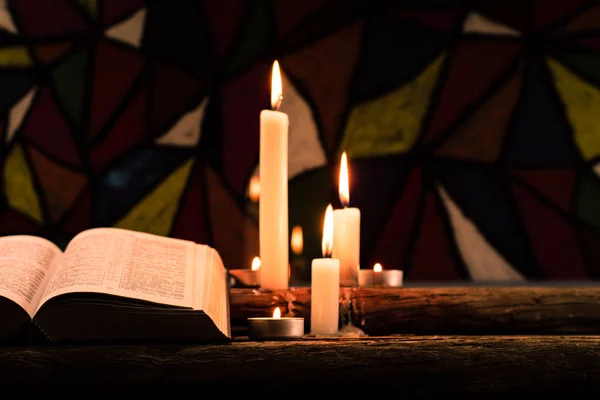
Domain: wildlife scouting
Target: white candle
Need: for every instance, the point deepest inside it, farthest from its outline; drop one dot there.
(325, 285)
(379, 277)
(346, 230)
(273, 205)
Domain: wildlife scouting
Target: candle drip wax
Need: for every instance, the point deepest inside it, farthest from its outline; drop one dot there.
(350, 330)
(347, 307)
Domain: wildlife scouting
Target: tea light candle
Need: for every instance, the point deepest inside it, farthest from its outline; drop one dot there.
(247, 277)
(276, 327)
(273, 204)
(325, 285)
(378, 277)
(346, 239)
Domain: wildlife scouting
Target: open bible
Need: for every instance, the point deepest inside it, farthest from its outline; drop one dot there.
(112, 285)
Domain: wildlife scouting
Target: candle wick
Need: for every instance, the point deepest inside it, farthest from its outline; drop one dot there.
(278, 103)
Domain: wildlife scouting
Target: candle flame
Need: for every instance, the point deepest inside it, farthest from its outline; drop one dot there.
(297, 241)
(254, 189)
(256, 264)
(277, 313)
(276, 87)
(344, 189)
(377, 268)
(327, 244)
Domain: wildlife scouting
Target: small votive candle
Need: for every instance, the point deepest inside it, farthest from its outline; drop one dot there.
(379, 277)
(276, 327)
(247, 277)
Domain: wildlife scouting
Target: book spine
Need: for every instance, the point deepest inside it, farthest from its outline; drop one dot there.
(42, 330)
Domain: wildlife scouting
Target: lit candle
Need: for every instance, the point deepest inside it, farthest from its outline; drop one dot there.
(247, 277)
(325, 285)
(377, 274)
(297, 241)
(273, 205)
(379, 277)
(297, 260)
(254, 189)
(346, 239)
(255, 264)
(276, 327)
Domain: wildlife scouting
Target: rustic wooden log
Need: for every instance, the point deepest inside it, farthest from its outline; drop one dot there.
(417, 366)
(441, 310)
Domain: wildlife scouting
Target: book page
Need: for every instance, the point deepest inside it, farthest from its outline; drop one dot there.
(25, 266)
(126, 263)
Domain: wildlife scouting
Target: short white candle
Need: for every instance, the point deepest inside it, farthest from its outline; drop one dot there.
(273, 205)
(346, 230)
(379, 277)
(247, 277)
(325, 285)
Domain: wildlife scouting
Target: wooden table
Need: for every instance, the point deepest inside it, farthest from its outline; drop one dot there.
(415, 366)
(484, 310)
(420, 342)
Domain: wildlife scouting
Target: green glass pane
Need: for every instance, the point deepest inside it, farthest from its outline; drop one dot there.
(256, 33)
(69, 84)
(588, 198)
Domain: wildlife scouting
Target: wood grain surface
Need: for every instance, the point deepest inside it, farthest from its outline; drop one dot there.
(415, 366)
(440, 310)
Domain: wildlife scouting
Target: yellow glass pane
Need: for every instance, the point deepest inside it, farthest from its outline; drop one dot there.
(91, 6)
(582, 102)
(17, 56)
(19, 187)
(154, 214)
(391, 123)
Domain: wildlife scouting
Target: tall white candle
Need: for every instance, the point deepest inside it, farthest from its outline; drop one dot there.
(325, 285)
(346, 231)
(273, 205)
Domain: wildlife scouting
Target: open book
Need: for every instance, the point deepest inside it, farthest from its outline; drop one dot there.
(113, 285)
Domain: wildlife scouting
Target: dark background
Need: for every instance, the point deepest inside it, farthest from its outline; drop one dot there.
(471, 128)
